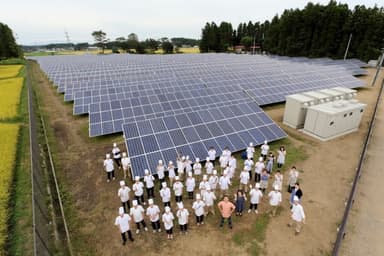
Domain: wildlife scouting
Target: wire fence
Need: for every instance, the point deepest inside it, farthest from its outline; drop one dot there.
(351, 199)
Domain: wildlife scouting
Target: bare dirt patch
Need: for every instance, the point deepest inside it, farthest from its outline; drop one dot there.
(326, 178)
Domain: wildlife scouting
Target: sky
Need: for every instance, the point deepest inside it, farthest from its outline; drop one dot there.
(47, 21)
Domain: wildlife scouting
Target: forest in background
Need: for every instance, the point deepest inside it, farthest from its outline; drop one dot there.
(315, 31)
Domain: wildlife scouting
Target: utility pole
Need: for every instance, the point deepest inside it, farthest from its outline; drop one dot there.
(346, 50)
(379, 65)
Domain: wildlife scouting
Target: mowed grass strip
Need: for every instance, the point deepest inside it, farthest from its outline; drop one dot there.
(10, 90)
(8, 138)
(8, 71)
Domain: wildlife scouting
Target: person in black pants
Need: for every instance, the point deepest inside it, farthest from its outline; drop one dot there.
(296, 192)
(122, 222)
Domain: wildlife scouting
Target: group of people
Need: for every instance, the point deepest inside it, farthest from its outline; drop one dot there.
(201, 184)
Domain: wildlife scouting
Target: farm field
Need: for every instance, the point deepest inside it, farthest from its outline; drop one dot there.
(7, 71)
(252, 235)
(10, 90)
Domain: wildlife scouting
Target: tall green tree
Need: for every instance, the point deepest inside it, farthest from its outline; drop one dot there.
(100, 38)
(8, 45)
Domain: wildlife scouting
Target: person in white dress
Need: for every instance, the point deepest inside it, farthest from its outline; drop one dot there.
(137, 213)
(190, 185)
(123, 194)
(255, 196)
(171, 172)
(188, 165)
(182, 217)
(149, 183)
(109, 167)
(212, 155)
(138, 189)
(208, 166)
(232, 165)
(248, 164)
(167, 219)
(165, 194)
(180, 166)
(198, 207)
(274, 200)
(160, 169)
(223, 162)
(281, 153)
(297, 216)
(209, 199)
(213, 180)
(224, 183)
(250, 151)
(293, 175)
(264, 150)
(259, 167)
(126, 163)
(203, 185)
(153, 212)
(178, 189)
(244, 180)
(197, 169)
(278, 180)
(123, 223)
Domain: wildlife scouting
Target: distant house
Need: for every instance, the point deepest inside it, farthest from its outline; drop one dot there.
(239, 49)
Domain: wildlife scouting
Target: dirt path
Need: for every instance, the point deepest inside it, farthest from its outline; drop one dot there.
(365, 227)
(326, 181)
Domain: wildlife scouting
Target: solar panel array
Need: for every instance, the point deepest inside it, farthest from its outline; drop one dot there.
(165, 104)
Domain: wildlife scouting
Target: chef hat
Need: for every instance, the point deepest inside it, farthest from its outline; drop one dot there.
(180, 205)
(146, 171)
(276, 187)
(114, 144)
(124, 154)
(177, 178)
(205, 177)
(134, 202)
(160, 161)
(198, 196)
(261, 159)
(189, 174)
(107, 155)
(197, 159)
(150, 201)
(122, 183)
(167, 209)
(251, 144)
(164, 184)
(257, 185)
(207, 159)
(214, 172)
(121, 210)
(137, 178)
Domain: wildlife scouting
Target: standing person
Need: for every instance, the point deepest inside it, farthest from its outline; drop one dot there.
(250, 151)
(167, 219)
(278, 180)
(126, 163)
(123, 222)
(212, 155)
(227, 155)
(116, 155)
(297, 216)
(208, 166)
(259, 166)
(270, 161)
(296, 192)
(178, 189)
(224, 183)
(165, 194)
(197, 169)
(213, 180)
(198, 207)
(123, 193)
(264, 150)
(190, 185)
(281, 153)
(153, 212)
(264, 180)
(182, 217)
(226, 209)
(232, 164)
(248, 164)
(188, 165)
(244, 180)
(109, 168)
(293, 175)
(203, 185)
(171, 172)
(149, 183)
(209, 198)
(240, 199)
(223, 163)
(255, 198)
(274, 200)
(138, 189)
(137, 213)
(180, 166)
(160, 169)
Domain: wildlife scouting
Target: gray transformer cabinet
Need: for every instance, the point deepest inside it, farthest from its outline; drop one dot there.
(333, 119)
(296, 109)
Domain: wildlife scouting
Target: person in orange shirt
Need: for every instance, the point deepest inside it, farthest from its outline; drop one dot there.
(226, 209)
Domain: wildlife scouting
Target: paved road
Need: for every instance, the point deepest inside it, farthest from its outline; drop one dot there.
(365, 228)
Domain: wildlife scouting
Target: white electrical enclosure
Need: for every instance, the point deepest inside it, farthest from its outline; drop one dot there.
(296, 108)
(333, 119)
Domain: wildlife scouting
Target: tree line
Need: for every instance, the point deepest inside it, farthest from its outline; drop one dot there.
(315, 31)
(132, 44)
(8, 45)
